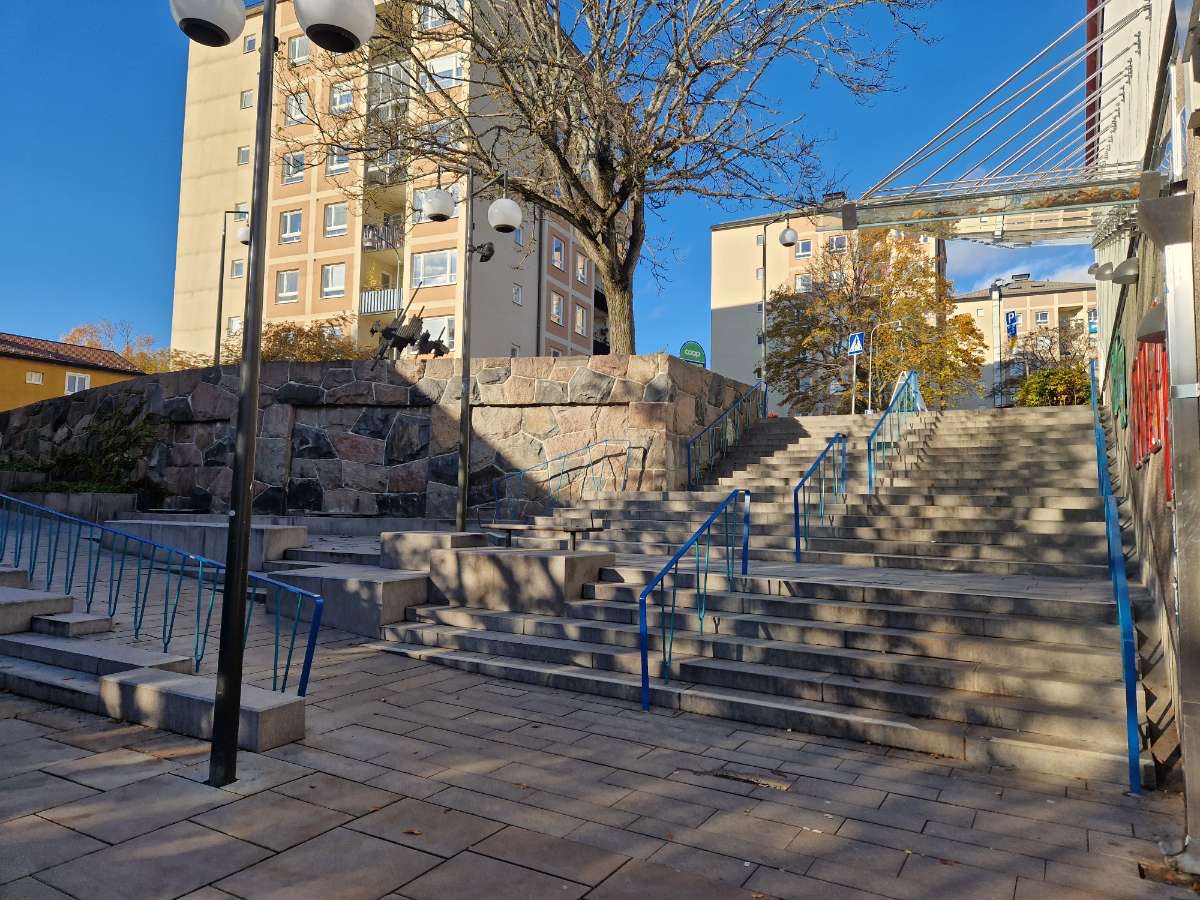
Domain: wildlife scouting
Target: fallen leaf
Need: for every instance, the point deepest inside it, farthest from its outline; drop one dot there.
(412, 831)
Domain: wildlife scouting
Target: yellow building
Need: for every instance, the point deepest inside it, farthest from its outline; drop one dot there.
(33, 369)
(346, 238)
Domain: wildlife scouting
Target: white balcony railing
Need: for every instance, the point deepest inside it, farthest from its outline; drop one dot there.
(374, 302)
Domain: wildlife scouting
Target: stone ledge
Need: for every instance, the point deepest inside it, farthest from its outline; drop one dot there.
(18, 605)
(410, 550)
(513, 580)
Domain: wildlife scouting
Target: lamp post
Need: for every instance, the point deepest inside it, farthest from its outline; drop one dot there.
(338, 26)
(871, 365)
(221, 284)
(787, 238)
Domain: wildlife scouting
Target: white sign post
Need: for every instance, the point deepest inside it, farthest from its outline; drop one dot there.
(854, 349)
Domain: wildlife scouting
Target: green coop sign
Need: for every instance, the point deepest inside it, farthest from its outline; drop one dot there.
(692, 352)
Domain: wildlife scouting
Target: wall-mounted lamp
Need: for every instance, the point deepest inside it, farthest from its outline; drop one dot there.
(1105, 272)
(1126, 272)
(1152, 327)
(1091, 270)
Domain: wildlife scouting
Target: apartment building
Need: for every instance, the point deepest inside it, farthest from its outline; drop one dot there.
(346, 237)
(738, 274)
(33, 369)
(1069, 307)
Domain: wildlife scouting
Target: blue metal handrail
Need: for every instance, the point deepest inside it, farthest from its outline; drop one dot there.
(44, 542)
(906, 401)
(727, 509)
(818, 472)
(566, 475)
(726, 430)
(1120, 587)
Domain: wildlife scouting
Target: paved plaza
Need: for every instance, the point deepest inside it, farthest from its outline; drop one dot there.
(423, 782)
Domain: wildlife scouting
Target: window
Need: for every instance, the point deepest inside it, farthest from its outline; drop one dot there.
(440, 328)
(237, 268)
(434, 15)
(580, 320)
(298, 50)
(247, 99)
(443, 72)
(333, 331)
(1041, 317)
(418, 214)
(435, 267)
(234, 325)
(293, 167)
(333, 280)
(556, 308)
(758, 240)
(34, 378)
(1020, 318)
(519, 236)
(838, 243)
(518, 295)
(338, 162)
(77, 382)
(241, 211)
(581, 268)
(555, 354)
(250, 43)
(337, 217)
(290, 224)
(243, 156)
(557, 254)
(924, 239)
(295, 110)
(341, 97)
(758, 274)
(803, 249)
(287, 286)
(803, 284)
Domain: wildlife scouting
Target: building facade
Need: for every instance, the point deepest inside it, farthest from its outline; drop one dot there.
(1068, 308)
(33, 369)
(346, 237)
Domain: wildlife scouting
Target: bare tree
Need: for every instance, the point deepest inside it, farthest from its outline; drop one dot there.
(600, 111)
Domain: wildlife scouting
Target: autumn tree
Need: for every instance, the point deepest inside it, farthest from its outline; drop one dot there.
(323, 340)
(598, 113)
(139, 349)
(874, 279)
(1065, 347)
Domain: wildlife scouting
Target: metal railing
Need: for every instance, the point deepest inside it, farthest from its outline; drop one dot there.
(703, 536)
(826, 476)
(884, 440)
(1120, 588)
(382, 237)
(62, 552)
(711, 444)
(371, 302)
(563, 479)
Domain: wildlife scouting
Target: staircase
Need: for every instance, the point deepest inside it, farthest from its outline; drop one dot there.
(962, 609)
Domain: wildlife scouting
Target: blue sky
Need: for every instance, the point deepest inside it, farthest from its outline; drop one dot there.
(109, 102)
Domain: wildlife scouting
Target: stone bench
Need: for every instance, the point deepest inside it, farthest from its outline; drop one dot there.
(267, 542)
(530, 581)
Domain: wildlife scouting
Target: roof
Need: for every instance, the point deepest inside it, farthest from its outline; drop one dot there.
(67, 354)
(1027, 288)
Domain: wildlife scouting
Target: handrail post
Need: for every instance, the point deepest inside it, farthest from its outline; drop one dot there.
(746, 536)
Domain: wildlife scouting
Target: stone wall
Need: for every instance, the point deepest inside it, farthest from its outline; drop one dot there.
(377, 437)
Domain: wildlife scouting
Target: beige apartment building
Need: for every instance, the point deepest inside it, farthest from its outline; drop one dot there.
(347, 238)
(1069, 307)
(738, 276)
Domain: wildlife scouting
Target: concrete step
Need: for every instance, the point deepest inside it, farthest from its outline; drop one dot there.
(515, 645)
(51, 684)
(359, 598)
(978, 744)
(1092, 551)
(14, 578)
(19, 606)
(72, 624)
(329, 556)
(92, 657)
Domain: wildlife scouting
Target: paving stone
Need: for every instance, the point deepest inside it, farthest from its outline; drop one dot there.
(554, 856)
(1107, 884)
(32, 792)
(167, 863)
(569, 784)
(1051, 833)
(407, 785)
(272, 820)
(940, 848)
(744, 847)
(138, 808)
(470, 875)
(617, 840)
(426, 826)
(336, 793)
(678, 811)
(929, 878)
(705, 863)
(638, 880)
(14, 730)
(736, 824)
(345, 864)
(106, 735)
(32, 889)
(501, 810)
(690, 793)
(496, 721)
(323, 761)
(359, 742)
(112, 769)
(30, 844)
(35, 754)
(255, 772)
(176, 748)
(789, 886)
(842, 851)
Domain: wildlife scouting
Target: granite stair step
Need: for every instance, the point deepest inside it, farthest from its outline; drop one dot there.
(52, 684)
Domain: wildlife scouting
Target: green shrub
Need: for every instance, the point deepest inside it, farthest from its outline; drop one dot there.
(1060, 386)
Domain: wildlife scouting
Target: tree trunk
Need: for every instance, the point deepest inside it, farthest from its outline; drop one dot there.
(620, 315)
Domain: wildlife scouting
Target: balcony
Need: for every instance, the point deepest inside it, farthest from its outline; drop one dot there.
(382, 237)
(371, 303)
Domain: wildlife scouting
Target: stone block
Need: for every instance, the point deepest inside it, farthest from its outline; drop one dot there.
(90, 657)
(72, 624)
(184, 704)
(513, 580)
(359, 599)
(410, 549)
(18, 606)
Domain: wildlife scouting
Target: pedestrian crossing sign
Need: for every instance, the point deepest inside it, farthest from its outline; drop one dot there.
(855, 346)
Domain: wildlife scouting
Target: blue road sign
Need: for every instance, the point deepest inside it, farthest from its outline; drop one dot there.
(1010, 322)
(855, 345)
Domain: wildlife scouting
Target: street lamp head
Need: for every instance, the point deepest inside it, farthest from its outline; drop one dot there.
(338, 26)
(788, 237)
(243, 235)
(437, 204)
(213, 23)
(504, 215)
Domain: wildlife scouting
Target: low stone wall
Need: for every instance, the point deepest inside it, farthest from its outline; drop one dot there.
(381, 437)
